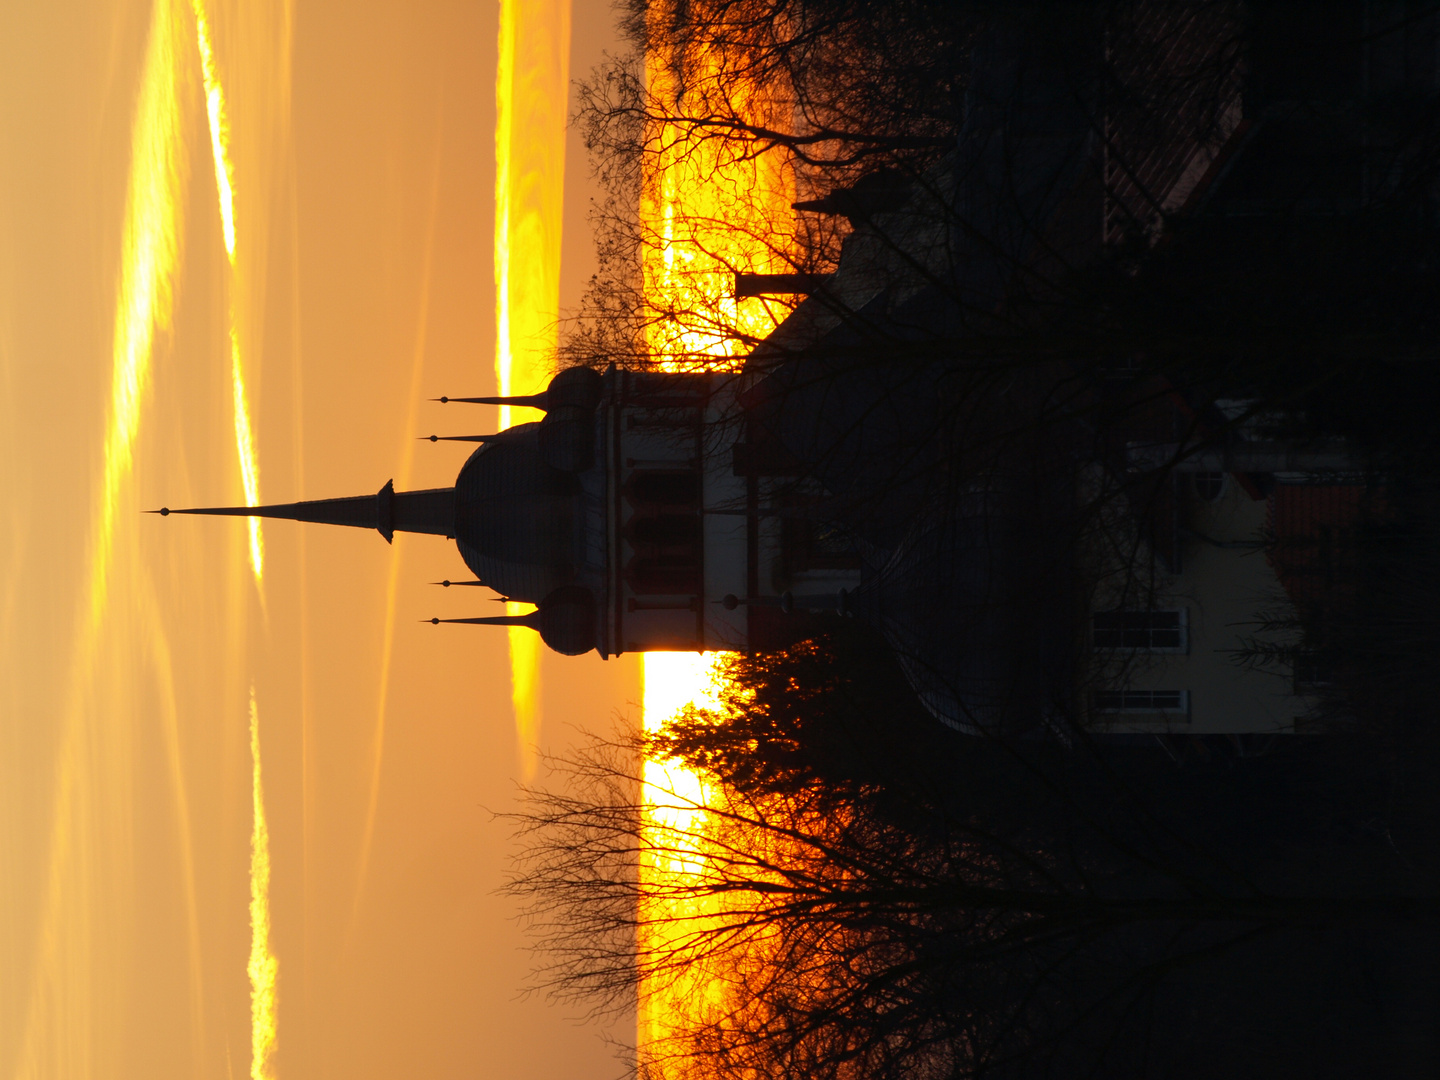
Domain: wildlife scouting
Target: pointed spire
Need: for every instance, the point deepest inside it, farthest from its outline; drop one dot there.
(387, 511)
(530, 619)
(448, 583)
(534, 401)
(457, 438)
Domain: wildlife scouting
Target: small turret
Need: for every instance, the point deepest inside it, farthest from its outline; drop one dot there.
(565, 620)
(579, 387)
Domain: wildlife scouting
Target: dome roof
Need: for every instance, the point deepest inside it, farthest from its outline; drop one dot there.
(518, 521)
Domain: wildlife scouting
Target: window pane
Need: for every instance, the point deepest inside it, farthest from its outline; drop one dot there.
(1138, 630)
(1140, 700)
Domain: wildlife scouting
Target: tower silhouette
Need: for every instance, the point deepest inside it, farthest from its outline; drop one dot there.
(627, 515)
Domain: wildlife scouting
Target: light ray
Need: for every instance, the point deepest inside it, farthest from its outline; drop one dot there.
(402, 476)
(219, 128)
(531, 96)
(219, 120)
(263, 967)
(163, 660)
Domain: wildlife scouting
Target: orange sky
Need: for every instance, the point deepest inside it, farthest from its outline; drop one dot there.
(361, 139)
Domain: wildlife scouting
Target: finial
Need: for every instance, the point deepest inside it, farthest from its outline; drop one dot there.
(457, 438)
(448, 583)
(532, 401)
(530, 619)
(387, 511)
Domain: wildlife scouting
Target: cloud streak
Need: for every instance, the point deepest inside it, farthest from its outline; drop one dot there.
(60, 1027)
(262, 968)
(219, 119)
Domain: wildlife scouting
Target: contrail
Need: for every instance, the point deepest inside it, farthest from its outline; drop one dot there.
(225, 189)
(263, 967)
(531, 95)
(262, 964)
(402, 477)
(163, 660)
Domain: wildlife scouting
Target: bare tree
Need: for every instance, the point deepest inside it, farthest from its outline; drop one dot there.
(1018, 926)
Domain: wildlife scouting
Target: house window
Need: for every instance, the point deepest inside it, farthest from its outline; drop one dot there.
(1209, 486)
(816, 545)
(1143, 701)
(1147, 631)
(663, 487)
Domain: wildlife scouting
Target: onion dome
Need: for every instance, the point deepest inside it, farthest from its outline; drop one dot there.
(565, 620)
(526, 513)
(518, 519)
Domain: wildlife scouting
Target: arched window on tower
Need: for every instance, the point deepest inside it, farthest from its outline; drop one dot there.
(663, 532)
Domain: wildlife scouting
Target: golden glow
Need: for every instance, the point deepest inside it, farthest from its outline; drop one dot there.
(150, 251)
(245, 446)
(531, 94)
(262, 967)
(60, 1027)
(706, 213)
(225, 188)
(673, 797)
(219, 128)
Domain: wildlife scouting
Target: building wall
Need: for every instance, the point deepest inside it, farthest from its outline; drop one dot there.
(678, 530)
(1224, 586)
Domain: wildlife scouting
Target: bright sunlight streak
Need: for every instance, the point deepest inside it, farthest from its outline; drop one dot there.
(531, 94)
(225, 188)
(262, 967)
(705, 213)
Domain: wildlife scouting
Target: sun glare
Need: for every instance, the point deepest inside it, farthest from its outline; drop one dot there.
(708, 212)
(531, 96)
(705, 214)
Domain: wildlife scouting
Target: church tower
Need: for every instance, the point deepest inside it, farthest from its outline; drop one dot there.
(630, 516)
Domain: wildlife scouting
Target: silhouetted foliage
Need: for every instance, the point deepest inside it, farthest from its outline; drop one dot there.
(811, 714)
(1035, 913)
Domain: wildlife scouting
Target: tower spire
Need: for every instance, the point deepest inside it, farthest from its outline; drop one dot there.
(387, 511)
(530, 619)
(534, 401)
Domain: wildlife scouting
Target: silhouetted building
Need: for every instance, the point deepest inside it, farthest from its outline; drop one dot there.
(1043, 537)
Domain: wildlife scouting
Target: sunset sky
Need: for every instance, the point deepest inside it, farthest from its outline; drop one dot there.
(164, 343)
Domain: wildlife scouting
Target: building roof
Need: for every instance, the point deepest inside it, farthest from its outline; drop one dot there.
(520, 522)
